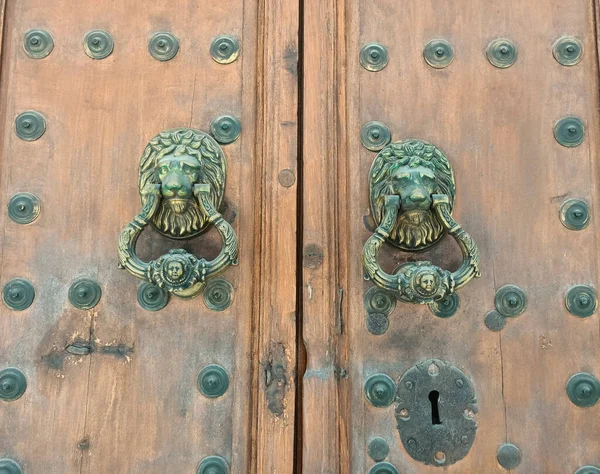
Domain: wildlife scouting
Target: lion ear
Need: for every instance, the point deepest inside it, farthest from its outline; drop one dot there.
(146, 167)
(213, 170)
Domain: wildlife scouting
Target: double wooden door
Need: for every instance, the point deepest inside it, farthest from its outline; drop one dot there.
(195, 191)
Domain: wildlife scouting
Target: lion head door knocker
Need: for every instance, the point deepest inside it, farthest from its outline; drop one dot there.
(412, 190)
(181, 183)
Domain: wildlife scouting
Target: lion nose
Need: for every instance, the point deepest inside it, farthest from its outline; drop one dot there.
(417, 196)
(173, 185)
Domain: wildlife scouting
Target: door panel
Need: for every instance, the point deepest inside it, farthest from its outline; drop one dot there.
(131, 403)
(512, 176)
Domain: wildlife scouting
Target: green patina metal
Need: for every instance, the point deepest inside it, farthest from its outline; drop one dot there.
(569, 131)
(377, 323)
(574, 214)
(24, 208)
(8, 466)
(38, 44)
(218, 294)
(583, 389)
(581, 300)
(378, 449)
(378, 300)
(509, 456)
(380, 390)
(18, 294)
(510, 301)
(375, 135)
(225, 49)
(98, 44)
(30, 125)
(151, 297)
(373, 57)
(213, 381)
(438, 53)
(501, 53)
(163, 46)
(85, 293)
(225, 129)
(213, 465)
(446, 307)
(568, 50)
(495, 321)
(12, 384)
(383, 468)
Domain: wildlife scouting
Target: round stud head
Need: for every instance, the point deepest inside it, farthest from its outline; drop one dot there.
(213, 381)
(569, 131)
(225, 129)
(383, 468)
(98, 44)
(494, 321)
(377, 323)
(574, 214)
(583, 389)
(12, 384)
(18, 294)
(377, 300)
(163, 46)
(218, 294)
(373, 57)
(510, 301)
(151, 297)
(8, 466)
(85, 293)
(446, 307)
(378, 449)
(568, 50)
(24, 208)
(501, 53)
(509, 456)
(581, 300)
(375, 136)
(588, 470)
(380, 390)
(38, 44)
(213, 465)
(225, 49)
(438, 53)
(30, 125)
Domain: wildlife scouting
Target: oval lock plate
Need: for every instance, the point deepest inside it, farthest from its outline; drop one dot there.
(435, 413)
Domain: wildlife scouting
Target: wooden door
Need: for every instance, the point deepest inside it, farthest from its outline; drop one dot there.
(513, 177)
(114, 388)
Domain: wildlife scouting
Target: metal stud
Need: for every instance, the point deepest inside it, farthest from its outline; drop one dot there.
(501, 53)
(583, 389)
(8, 466)
(30, 125)
(380, 390)
(581, 301)
(218, 294)
(383, 468)
(18, 294)
(38, 44)
(373, 57)
(568, 50)
(494, 321)
(213, 381)
(378, 449)
(569, 131)
(163, 46)
(98, 44)
(12, 384)
(574, 214)
(375, 135)
(24, 208)
(85, 293)
(225, 129)
(213, 465)
(225, 49)
(509, 456)
(151, 297)
(510, 301)
(446, 307)
(377, 323)
(438, 53)
(377, 300)
(588, 470)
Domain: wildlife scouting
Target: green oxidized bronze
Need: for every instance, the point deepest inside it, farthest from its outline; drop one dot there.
(213, 381)
(151, 297)
(12, 384)
(38, 44)
(509, 456)
(588, 470)
(495, 321)
(8, 466)
(501, 53)
(163, 46)
(383, 468)
(583, 389)
(98, 44)
(569, 131)
(438, 53)
(574, 214)
(377, 323)
(18, 294)
(24, 208)
(412, 193)
(446, 307)
(181, 183)
(224, 49)
(218, 294)
(213, 465)
(377, 300)
(373, 57)
(375, 135)
(581, 301)
(225, 129)
(380, 390)
(568, 50)
(510, 301)
(30, 125)
(85, 293)
(378, 449)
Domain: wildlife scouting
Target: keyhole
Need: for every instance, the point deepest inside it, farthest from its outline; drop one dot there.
(434, 397)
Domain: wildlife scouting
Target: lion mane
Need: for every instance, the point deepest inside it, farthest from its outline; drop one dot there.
(213, 172)
(410, 153)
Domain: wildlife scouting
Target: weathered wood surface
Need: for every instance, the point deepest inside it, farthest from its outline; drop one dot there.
(132, 406)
